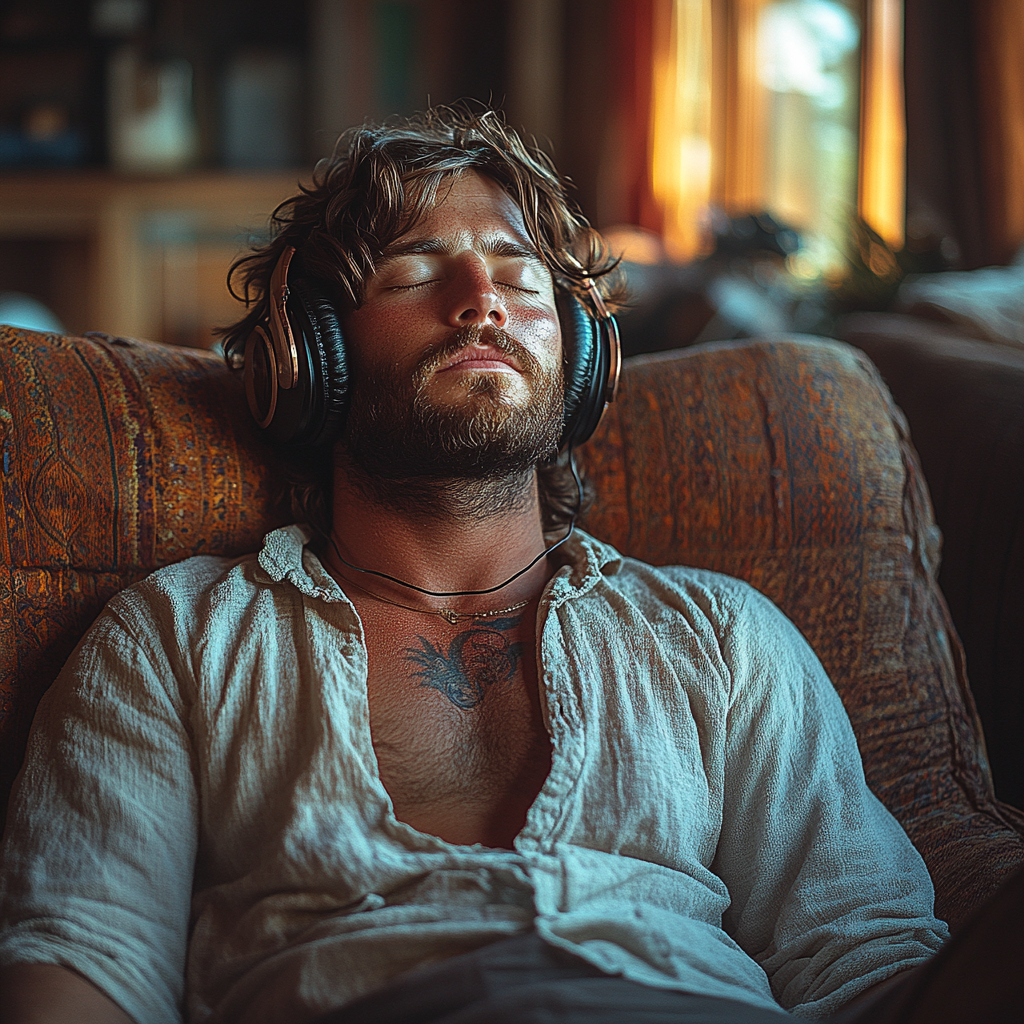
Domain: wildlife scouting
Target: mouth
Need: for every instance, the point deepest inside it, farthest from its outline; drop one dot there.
(481, 358)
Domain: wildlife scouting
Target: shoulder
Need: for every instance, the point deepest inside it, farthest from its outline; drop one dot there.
(140, 649)
(755, 640)
(720, 595)
(723, 602)
(172, 620)
(720, 601)
(204, 585)
(738, 614)
(177, 594)
(772, 678)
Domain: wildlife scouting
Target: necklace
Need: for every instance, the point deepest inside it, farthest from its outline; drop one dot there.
(453, 593)
(470, 593)
(450, 616)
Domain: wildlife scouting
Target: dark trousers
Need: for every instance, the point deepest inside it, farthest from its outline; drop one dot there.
(978, 976)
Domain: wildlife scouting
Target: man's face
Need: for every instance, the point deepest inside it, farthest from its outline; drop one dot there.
(456, 348)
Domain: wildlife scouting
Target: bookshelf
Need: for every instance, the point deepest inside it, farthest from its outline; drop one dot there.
(111, 243)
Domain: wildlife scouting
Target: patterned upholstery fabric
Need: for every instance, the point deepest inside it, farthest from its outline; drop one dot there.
(782, 461)
(118, 457)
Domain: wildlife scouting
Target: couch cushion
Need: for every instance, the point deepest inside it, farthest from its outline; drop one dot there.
(118, 456)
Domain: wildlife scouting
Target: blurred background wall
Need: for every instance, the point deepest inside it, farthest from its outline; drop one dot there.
(143, 143)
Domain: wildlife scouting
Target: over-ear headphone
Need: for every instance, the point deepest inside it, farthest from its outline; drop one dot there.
(297, 377)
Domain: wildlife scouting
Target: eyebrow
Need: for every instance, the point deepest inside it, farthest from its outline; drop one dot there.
(503, 248)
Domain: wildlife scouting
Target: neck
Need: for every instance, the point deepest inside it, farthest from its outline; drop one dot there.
(438, 535)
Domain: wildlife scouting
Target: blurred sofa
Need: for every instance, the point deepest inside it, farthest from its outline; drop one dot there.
(963, 395)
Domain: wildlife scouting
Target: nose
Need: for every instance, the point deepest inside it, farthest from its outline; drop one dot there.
(475, 299)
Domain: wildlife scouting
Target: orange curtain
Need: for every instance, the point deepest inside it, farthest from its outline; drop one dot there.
(680, 145)
(623, 190)
(657, 163)
(881, 181)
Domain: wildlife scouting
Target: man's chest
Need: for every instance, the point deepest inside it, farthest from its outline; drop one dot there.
(456, 723)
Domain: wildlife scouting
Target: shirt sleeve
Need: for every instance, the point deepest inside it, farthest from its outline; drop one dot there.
(827, 892)
(97, 860)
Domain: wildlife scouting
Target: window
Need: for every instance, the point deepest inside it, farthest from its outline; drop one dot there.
(788, 106)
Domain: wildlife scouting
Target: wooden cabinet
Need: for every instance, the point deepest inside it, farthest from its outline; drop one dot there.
(141, 257)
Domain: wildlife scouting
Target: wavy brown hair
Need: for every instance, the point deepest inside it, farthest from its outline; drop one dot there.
(381, 179)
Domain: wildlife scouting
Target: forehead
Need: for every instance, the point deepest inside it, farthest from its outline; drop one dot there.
(470, 206)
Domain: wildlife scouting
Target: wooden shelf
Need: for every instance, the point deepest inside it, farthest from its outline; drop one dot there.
(145, 257)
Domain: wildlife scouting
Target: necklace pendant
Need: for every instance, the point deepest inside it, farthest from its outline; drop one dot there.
(449, 616)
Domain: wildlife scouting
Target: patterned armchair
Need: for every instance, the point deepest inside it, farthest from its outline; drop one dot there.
(782, 461)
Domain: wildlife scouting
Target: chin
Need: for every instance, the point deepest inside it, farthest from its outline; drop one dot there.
(478, 390)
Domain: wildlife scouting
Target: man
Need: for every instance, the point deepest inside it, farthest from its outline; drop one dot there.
(413, 762)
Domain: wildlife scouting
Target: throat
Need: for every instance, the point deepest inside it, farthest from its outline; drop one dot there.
(448, 500)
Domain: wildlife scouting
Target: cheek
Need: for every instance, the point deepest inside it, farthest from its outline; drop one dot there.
(373, 340)
(540, 331)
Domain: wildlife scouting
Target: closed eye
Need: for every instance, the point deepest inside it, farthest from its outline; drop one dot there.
(498, 284)
(515, 287)
(412, 287)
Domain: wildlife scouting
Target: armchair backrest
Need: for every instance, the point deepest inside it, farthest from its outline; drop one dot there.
(782, 461)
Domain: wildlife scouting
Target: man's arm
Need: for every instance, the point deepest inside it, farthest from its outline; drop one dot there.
(97, 861)
(48, 994)
(828, 894)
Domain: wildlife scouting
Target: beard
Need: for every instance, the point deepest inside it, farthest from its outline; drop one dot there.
(492, 436)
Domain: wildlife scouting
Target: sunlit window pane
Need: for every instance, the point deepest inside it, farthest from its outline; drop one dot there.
(681, 152)
(808, 63)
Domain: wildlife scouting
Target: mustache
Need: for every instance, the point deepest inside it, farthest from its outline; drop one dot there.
(476, 334)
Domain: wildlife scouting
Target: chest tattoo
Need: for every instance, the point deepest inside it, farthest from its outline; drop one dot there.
(477, 659)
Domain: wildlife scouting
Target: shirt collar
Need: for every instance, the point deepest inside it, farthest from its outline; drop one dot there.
(586, 562)
(285, 558)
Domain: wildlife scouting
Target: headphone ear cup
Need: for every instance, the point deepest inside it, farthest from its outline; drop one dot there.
(260, 376)
(329, 376)
(312, 412)
(586, 357)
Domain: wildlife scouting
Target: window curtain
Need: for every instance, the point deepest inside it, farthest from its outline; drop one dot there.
(964, 74)
(623, 193)
(656, 162)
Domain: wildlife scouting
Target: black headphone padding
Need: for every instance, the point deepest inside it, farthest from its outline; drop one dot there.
(322, 317)
(586, 358)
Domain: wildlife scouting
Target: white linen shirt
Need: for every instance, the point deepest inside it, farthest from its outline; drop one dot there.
(201, 830)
